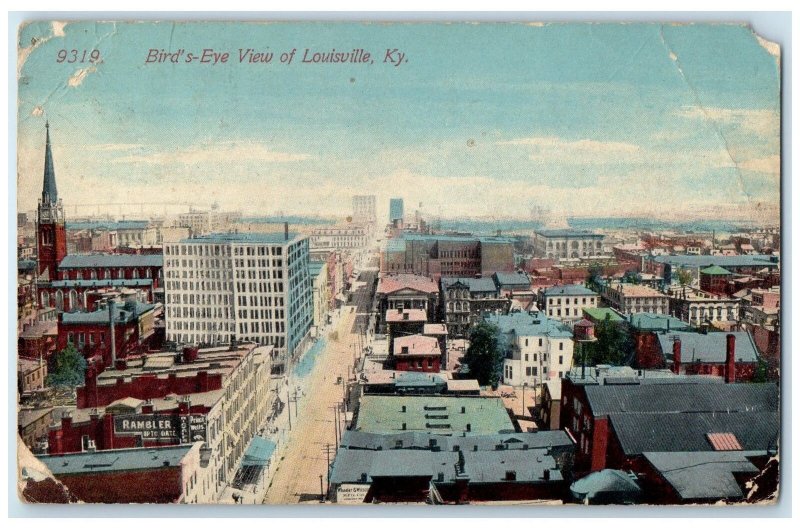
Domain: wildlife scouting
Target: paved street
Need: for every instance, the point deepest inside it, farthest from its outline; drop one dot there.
(296, 479)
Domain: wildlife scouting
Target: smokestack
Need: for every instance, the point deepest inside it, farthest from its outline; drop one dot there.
(285, 231)
(730, 359)
(676, 357)
(111, 306)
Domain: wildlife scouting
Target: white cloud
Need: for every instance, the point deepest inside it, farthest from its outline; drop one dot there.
(544, 148)
(762, 122)
(768, 164)
(219, 153)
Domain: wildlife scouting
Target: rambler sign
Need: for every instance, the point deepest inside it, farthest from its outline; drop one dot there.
(183, 428)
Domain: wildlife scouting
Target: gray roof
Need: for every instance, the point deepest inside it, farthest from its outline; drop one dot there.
(244, 238)
(646, 321)
(115, 460)
(26, 264)
(118, 225)
(123, 313)
(725, 261)
(475, 284)
(481, 467)
(525, 324)
(528, 465)
(677, 398)
(80, 283)
(702, 475)
(422, 440)
(686, 432)
(708, 348)
(510, 279)
(569, 290)
(568, 233)
(104, 260)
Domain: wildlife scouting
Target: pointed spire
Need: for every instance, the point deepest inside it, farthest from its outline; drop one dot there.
(49, 190)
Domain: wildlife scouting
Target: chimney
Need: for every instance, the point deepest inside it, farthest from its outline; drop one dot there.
(676, 357)
(730, 359)
(286, 231)
(111, 307)
(147, 407)
(190, 354)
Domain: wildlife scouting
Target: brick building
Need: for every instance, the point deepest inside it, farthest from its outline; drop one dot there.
(732, 355)
(113, 331)
(438, 256)
(406, 291)
(60, 276)
(221, 396)
(128, 475)
(628, 298)
(417, 353)
(466, 300)
(650, 406)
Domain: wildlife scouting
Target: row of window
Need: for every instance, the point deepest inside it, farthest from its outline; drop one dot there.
(557, 301)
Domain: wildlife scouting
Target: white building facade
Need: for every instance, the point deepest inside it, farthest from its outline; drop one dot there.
(225, 287)
(566, 303)
(344, 237)
(538, 349)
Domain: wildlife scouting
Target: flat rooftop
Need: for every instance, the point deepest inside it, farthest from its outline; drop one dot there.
(131, 459)
(443, 415)
(244, 238)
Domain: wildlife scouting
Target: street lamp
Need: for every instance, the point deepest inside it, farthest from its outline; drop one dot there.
(524, 385)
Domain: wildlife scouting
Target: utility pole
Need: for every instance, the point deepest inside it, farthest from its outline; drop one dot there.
(321, 490)
(335, 425)
(289, 409)
(296, 413)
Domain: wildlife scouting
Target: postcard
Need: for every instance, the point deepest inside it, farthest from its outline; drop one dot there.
(372, 263)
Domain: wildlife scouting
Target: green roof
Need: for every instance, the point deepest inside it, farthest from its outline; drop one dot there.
(715, 270)
(435, 414)
(646, 321)
(599, 314)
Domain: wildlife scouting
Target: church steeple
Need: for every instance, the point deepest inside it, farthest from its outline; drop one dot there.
(50, 222)
(49, 189)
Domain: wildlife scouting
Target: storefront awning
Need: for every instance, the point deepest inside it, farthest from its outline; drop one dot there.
(258, 452)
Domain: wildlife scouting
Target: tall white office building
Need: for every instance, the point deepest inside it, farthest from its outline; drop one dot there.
(364, 208)
(239, 286)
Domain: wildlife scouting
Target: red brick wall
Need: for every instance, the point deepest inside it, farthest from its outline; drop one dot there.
(145, 387)
(68, 437)
(648, 351)
(410, 364)
(157, 485)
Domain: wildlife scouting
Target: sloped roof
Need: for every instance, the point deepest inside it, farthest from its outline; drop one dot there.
(395, 282)
(688, 432)
(702, 475)
(600, 313)
(111, 260)
(715, 270)
(677, 398)
(416, 345)
(569, 290)
(474, 284)
(524, 324)
(647, 321)
(509, 279)
(708, 348)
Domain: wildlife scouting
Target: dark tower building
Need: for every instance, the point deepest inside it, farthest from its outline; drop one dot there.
(51, 232)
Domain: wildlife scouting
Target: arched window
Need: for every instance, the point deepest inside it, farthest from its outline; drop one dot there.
(73, 300)
(148, 273)
(93, 274)
(136, 273)
(45, 299)
(107, 274)
(59, 300)
(120, 273)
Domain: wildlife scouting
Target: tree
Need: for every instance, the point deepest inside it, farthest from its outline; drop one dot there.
(594, 279)
(69, 369)
(684, 277)
(484, 355)
(633, 277)
(613, 346)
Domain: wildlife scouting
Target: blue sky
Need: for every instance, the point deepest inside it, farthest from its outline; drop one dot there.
(483, 119)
